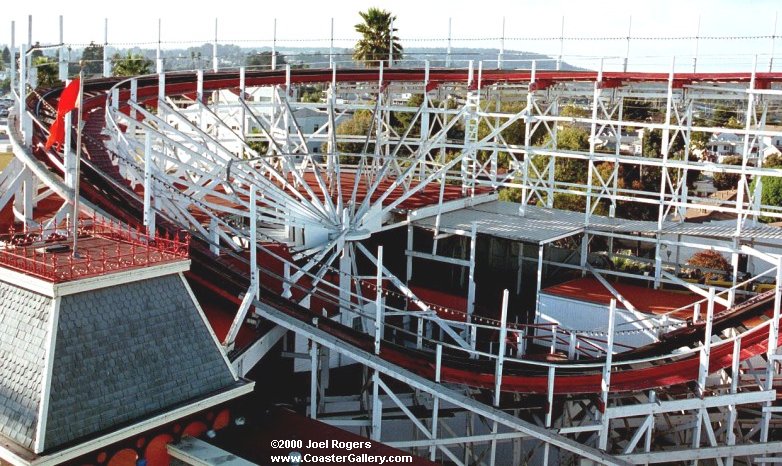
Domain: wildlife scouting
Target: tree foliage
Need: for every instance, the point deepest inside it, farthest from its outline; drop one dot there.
(92, 59)
(47, 71)
(377, 34)
(712, 261)
(263, 60)
(130, 64)
(725, 181)
(771, 189)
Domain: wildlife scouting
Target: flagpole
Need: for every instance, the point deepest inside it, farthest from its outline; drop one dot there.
(76, 181)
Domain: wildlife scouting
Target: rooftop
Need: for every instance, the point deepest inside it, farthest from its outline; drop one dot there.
(102, 248)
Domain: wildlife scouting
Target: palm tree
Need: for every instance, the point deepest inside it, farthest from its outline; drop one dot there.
(377, 34)
(130, 65)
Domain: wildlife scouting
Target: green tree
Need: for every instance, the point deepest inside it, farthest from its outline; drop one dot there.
(6, 56)
(130, 65)
(92, 59)
(771, 189)
(725, 181)
(263, 60)
(47, 71)
(358, 125)
(377, 34)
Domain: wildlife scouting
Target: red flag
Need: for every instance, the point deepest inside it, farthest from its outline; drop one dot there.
(68, 101)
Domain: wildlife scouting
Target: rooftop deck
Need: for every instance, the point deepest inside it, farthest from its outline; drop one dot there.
(102, 248)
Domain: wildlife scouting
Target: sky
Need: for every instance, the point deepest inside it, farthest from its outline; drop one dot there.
(424, 23)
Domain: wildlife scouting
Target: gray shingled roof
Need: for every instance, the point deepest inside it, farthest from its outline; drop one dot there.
(126, 352)
(23, 330)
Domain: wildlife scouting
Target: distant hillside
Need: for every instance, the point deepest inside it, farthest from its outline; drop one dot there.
(231, 55)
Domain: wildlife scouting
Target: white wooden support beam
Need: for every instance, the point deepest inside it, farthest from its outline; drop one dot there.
(313, 379)
(549, 409)
(254, 271)
(771, 355)
(471, 280)
(149, 213)
(703, 367)
(498, 368)
(379, 300)
(241, 315)
(106, 51)
(214, 236)
(605, 383)
(436, 400)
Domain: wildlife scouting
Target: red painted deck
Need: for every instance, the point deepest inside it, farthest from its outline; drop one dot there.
(646, 300)
(102, 249)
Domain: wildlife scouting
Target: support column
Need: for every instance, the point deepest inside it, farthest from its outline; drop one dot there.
(538, 283)
(605, 384)
(106, 52)
(471, 282)
(149, 214)
(498, 369)
(771, 355)
(62, 60)
(159, 58)
(254, 271)
(377, 404)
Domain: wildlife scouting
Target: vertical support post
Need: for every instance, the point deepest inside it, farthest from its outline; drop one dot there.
(62, 61)
(67, 151)
(76, 178)
(598, 91)
(703, 367)
(650, 430)
(627, 49)
(749, 116)
(501, 55)
(697, 43)
(215, 62)
(527, 141)
(149, 214)
(520, 265)
(448, 47)
(605, 384)
(13, 62)
(471, 283)
(331, 45)
(106, 52)
(549, 409)
(242, 91)
(161, 90)
(773, 43)
(409, 270)
(538, 283)
(158, 56)
(377, 404)
(24, 126)
(379, 300)
(391, 43)
(498, 368)
(313, 379)
(584, 253)
(734, 385)
(435, 400)
(254, 272)
(561, 44)
(771, 355)
(214, 237)
(274, 45)
(286, 285)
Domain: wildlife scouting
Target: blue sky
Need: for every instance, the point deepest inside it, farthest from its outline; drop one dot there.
(188, 23)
